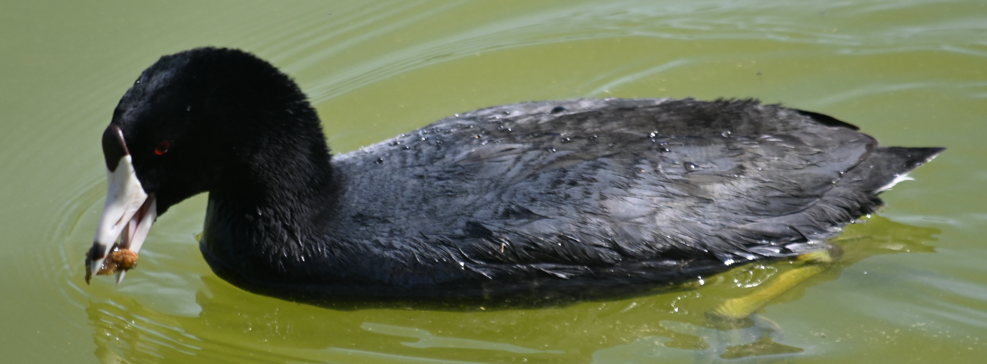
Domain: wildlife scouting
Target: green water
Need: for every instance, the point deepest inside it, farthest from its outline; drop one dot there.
(911, 287)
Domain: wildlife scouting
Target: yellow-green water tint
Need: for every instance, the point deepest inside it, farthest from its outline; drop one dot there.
(909, 72)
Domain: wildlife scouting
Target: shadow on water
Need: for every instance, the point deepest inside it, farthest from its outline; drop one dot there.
(235, 326)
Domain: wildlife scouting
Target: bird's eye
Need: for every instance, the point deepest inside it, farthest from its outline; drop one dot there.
(162, 148)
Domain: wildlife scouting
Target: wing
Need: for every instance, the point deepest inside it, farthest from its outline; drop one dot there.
(589, 185)
(677, 179)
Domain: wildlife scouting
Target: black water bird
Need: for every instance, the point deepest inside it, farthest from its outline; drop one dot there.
(525, 203)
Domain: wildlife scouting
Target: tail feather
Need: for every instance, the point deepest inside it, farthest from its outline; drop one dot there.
(853, 196)
(887, 166)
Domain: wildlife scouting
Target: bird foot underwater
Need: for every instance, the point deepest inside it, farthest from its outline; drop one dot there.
(738, 309)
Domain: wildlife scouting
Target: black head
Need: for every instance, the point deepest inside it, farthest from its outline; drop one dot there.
(201, 118)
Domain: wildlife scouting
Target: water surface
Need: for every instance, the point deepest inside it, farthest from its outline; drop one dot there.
(911, 287)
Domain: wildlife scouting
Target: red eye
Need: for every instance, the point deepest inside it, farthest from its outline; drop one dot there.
(162, 148)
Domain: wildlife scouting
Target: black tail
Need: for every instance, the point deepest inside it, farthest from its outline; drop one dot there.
(856, 193)
(886, 166)
(853, 196)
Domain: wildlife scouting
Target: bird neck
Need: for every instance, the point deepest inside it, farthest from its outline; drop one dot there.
(277, 192)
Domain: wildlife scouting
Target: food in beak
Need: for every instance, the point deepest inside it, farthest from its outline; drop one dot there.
(120, 259)
(123, 256)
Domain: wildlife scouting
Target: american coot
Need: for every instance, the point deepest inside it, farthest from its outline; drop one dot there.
(529, 203)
